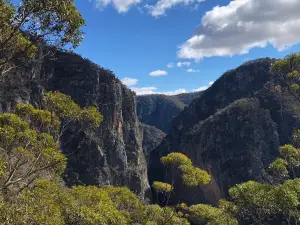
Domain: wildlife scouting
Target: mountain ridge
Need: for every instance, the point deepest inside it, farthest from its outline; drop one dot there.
(158, 110)
(202, 118)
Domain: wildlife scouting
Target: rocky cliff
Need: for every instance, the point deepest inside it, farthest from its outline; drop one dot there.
(159, 110)
(233, 130)
(113, 154)
(152, 137)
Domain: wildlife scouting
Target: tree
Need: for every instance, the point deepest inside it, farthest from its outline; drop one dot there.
(288, 70)
(266, 204)
(207, 214)
(69, 112)
(29, 140)
(178, 163)
(54, 22)
(191, 175)
(26, 154)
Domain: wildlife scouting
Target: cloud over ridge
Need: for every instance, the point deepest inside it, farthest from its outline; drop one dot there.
(242, 25)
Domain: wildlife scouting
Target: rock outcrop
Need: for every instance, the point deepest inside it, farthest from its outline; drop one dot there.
(113, 154)
(233, 130)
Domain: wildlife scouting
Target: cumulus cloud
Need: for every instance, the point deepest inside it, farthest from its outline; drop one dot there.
(144, 90)
(242, 25)
(153, 90)
(158, 73)
(160, 8)
(203, 88)
(187, 64)
(129, 81)
(176, 92)
(170, 65)
(122, 6)
(192, 71)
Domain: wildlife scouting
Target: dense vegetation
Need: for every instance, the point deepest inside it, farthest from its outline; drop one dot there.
(53, 22)
(31, 160)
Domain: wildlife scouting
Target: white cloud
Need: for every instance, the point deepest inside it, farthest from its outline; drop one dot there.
(122, 6)
(176, 92)
(170, 65)
(203, 88)
(129, 81)
(187, 64)
(192, 71)
(158, 73)
(144, 90)
(242, 25)
(153, 90)
(160, 8)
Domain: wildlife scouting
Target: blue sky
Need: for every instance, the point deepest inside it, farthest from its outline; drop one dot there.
(137, 39)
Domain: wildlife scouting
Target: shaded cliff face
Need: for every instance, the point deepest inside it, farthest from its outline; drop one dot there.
(233, 141)
(152, 137)
(113, 154)
(159, 110)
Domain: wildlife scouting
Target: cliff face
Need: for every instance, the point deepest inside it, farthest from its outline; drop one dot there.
(113, 154)
(159, 110)
(233, 140)
(152, 137)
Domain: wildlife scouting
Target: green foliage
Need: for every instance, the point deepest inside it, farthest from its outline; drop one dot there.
(175, 159)
(62, 105)
(91, 117)
(259, 203)
(91, 205)
(295, 87)
(288, 70)
(56, 22)
(47, 203)
(126, 202)
(160, 216)
(26, 153)
(41, 120)
(253, 200)
(293, 75)
(193, 176)
(279, 168)
(291, 155)
(206, 214)
(190, 175)
(281, 66)
(296, 138)
(67, 110)
(29, 139)
(161, 187)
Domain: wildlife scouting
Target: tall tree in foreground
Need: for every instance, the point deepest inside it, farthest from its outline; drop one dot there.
(55, 22)
(178, 163)
(29, 139)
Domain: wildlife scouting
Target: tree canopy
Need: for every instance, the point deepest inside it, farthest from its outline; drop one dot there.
(23, 26)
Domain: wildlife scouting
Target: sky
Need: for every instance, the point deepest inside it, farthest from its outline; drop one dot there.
(178, 46)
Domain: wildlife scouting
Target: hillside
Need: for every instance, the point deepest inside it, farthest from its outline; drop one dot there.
(233, 130)
(159, 110)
